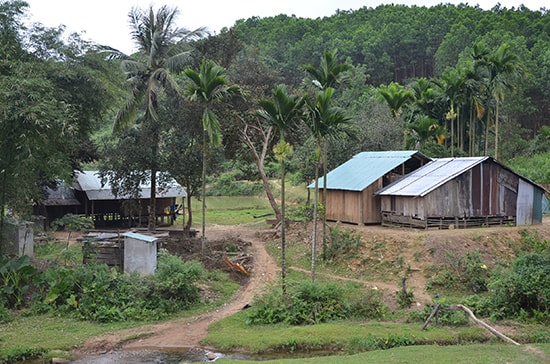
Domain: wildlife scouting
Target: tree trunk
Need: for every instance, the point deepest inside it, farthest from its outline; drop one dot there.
(487, 327)
(496, 129)
(153, 202)
(283, 229)
(315, 218)
(3, 211)
(325, 172)
(259, 159)
(203, 194)
(189, 213)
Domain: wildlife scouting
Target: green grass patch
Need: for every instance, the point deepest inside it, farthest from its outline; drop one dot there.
(230, 210)
(433, 354)
(234, 334)
(37, 332)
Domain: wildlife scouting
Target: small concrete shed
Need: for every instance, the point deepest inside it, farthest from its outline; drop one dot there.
(460, 193)
(351, 187)
(140, 253)
(18, 238)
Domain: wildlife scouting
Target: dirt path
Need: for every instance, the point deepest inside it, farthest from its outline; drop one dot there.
(419, 293)
(186, 333)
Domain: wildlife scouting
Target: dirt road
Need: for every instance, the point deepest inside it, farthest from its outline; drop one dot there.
(186, 333)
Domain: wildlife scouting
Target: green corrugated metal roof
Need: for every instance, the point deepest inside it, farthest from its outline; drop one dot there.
(364, 168)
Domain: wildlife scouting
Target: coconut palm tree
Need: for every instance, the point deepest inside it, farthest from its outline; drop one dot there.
(208, 86)
(324, 121)
(161, 50)
(281, 112)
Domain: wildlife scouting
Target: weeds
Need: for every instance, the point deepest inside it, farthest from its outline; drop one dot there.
(308, 303)
(461, 273)
(341, 243)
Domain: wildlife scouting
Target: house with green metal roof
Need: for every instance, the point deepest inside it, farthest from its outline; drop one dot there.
(351, 187)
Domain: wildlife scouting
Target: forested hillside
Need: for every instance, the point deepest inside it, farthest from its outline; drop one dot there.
(400, 43)
(446, 80)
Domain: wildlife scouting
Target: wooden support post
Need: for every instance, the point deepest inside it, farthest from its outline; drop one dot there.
(434, 312)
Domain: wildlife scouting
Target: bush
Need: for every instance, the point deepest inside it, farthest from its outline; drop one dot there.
(16, 276)
(535, 243)
(523, 290)
(309, 303)
(341, 243)
(462, 272)
(95, 292)
(227, 185)
(303, 212)
(445, 317)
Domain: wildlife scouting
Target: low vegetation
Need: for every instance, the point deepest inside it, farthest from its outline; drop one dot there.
(72, 302)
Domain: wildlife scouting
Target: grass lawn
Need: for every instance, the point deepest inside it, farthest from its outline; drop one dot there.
(433, 354)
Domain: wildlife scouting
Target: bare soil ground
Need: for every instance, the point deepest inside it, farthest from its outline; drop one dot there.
(414, 249)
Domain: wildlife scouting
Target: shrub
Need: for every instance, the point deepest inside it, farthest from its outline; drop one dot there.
(404, 298)
(95, 292)
(368, 304)
(227, 185)
(309, 303)
(303, 212)
(523, 290)
(16, 277)
(341, 242)
(444, 317)
(462, 272)
(535, 243)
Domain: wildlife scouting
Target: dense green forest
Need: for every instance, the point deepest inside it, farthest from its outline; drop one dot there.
(447, 80)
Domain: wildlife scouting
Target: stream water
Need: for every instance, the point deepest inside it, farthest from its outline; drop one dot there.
(195, 355)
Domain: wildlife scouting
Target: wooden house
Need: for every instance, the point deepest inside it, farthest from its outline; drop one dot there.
(351, 187)
(88, 196)
(107, 209)
(460, 193)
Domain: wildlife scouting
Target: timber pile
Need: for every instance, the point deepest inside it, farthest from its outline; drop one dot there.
(236, 264)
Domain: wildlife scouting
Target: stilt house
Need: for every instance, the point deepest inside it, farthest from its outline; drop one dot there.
(88, 196)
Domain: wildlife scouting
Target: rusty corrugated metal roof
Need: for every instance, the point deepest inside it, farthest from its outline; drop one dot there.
(436, 173)
(90, 183)
(429, 177)
(62, 195)
(365, 168)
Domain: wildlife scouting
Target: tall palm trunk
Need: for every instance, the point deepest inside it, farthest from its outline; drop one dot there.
(203, 193)
(283, 228)
(153, 197)
(325, 172)
(496, 128)
(315, 214)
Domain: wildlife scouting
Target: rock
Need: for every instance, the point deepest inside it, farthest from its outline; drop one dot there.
(60, 361)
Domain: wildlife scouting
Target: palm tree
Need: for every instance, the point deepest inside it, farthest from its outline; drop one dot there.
(330, 71)
(452, 84)
(501, 65)
(324, 121)
(161, 50)
(280, 112)
(327, 76)
(396, 96)
(208, 86)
